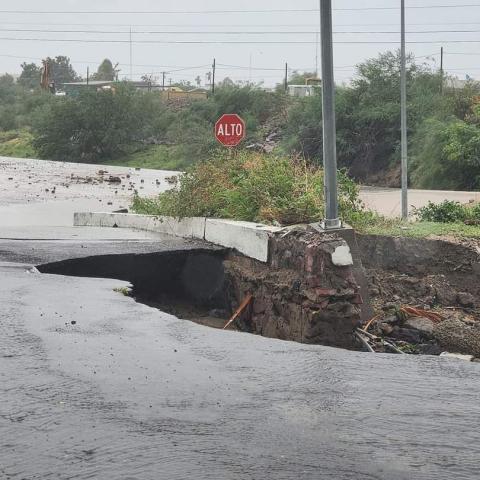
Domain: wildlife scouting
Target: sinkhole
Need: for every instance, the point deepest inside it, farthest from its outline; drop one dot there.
(191, 284)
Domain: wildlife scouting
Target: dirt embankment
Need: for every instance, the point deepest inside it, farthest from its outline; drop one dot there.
(433, 275)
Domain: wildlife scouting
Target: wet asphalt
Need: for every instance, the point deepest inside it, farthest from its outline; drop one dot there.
(96, 386)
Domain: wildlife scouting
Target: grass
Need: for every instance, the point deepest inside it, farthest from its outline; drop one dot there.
(253, 187)
(126, 291)
(420, 229)
(157, 157)
(16, 143)
(278, 190)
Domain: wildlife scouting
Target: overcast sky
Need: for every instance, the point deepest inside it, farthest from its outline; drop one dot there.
(445, 26)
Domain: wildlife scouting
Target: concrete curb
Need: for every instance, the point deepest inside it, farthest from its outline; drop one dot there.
(193, 227)
(251, 239)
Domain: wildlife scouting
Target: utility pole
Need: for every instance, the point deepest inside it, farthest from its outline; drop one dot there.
(286, 77)
(131, 55)
(163, 81)
(213, 77)
(441, 70)
(316, 54)
(331, 220)
(250, 70)
(403, 114)
(88, 74)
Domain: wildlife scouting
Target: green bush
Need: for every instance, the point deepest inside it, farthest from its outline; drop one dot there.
(252, 187)
(449, 212)
(92, 126)
(368, 116)
(446, 212)
(15, 143)
(446, 155)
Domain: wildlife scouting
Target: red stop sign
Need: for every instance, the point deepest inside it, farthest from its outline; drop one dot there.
(230, 129)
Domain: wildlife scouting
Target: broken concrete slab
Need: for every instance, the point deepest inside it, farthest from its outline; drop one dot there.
(251, 239)
(342, 257)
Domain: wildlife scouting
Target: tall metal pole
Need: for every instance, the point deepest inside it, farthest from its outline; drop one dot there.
(250, 70)
(213, 76)
(403, 114)
(131, 55)
(286, 77)
(328, 111)
(441, 70)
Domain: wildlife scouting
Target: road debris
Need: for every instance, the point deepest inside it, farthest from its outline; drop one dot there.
(114, 179)
(413, 330)
(246, 301)
(458, 356)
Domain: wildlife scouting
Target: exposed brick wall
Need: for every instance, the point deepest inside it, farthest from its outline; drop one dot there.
(300, 294)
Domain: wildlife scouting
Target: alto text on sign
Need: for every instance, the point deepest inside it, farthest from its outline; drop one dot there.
(230, 129)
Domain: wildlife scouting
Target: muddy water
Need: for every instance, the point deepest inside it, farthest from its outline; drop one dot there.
(126, 392)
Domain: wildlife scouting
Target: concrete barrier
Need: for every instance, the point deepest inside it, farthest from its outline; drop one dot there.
(193, 227)
(249, 238)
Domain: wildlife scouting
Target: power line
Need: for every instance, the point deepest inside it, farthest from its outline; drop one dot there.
(412, 7)
(230, 32)
(462, 53)
(426, 56)
(245, 67)
(150, 12)
(230, 42)
(179, 67)
(223, 25)
(199, 12)
(219, 65)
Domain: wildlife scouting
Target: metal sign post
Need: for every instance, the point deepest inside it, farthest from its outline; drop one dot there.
(403, 114)
(331, 220)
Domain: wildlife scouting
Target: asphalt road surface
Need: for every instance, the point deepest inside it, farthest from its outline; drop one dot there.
(96, 386)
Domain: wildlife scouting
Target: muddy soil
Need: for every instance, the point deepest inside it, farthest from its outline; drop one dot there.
(185, 310)
(434, 275)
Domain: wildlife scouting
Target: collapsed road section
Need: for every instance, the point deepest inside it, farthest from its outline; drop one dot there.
(384, 294)
(305, 292)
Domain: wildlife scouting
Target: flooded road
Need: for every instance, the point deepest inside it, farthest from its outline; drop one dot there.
(94, 385)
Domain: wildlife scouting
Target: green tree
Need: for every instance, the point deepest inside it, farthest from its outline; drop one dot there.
(106, 71)
(92, 126)
(62, 70)
(7, 102)
(300, 78)
(446, 155)
(30, 76)
(368, 115)
(6, 81)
